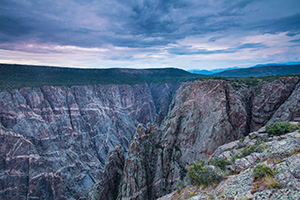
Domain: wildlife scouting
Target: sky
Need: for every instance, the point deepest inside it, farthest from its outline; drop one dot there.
(187, 34)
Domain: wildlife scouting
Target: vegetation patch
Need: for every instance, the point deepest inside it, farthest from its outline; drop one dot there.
(248, 150)
(263, 148)
(261, 171)
(280, 128)
(201, 174)
(270, 183)
(221, 163)
(180, 186)
(245, 152)
(263, 178)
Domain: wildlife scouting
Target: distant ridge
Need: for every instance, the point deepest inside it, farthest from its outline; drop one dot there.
(261, 71)
(210, 72)
(13, 76)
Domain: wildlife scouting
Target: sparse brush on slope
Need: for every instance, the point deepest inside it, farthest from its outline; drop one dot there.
(262, 170)
(201, 174)
(280, 128)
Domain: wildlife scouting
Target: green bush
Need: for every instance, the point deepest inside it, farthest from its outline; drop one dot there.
(201, 174)
(280, 128)
(220, 163)
(261, 171)
(245, 152)
(248, 150)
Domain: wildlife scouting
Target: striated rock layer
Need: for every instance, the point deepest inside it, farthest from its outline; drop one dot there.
(55, 140)
(202, 116)
(108, 186)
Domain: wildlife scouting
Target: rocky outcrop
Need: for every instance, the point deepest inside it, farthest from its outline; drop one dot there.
(281, 153)
(290, 109)
(200, 119)
(269, 97)
(202, 116)
(140, 165)
(55, 140)
(109, 179)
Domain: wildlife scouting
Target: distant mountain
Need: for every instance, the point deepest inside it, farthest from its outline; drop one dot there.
(18, 76)
(276, 64)
(203, 71)
(274, 70)
(210, 72)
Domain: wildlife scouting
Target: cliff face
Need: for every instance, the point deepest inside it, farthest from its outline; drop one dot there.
(202, 116)
(55, 140)
(108, 186)
(269, 97)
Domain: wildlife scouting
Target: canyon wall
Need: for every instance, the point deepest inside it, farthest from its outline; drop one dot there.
(202, 116)
(55, 140)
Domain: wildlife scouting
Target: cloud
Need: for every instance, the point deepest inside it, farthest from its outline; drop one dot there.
(115, 22)
(161, 32)
(189, 50)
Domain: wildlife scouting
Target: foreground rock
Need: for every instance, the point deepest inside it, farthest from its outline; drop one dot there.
(281, 153)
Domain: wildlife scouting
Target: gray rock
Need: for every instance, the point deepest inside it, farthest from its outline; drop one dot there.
(289, 172)
(275, 194)
(202, 116)
(198, 197)
(109, 180)
(55, 140)
(237, 185)
(290, 109)
(270, 96)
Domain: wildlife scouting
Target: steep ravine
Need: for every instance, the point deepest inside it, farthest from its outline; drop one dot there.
(202, 116)
(55, 140)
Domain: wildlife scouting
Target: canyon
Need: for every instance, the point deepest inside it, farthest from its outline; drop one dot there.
(202, 116)
(55, 140)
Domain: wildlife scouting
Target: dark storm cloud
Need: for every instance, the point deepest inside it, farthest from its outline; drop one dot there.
(289, 24)
(122, 29)
(130, 23)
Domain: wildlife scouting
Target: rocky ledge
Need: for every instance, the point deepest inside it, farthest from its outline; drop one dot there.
(279, 153)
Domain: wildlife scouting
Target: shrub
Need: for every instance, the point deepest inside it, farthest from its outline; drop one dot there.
(261, 171)
(248, 150)
(220, 163)
(280, 128)
(271, 183)
(201, 174)
(245, 152)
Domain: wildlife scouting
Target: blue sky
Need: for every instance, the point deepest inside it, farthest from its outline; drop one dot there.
(187, 34)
